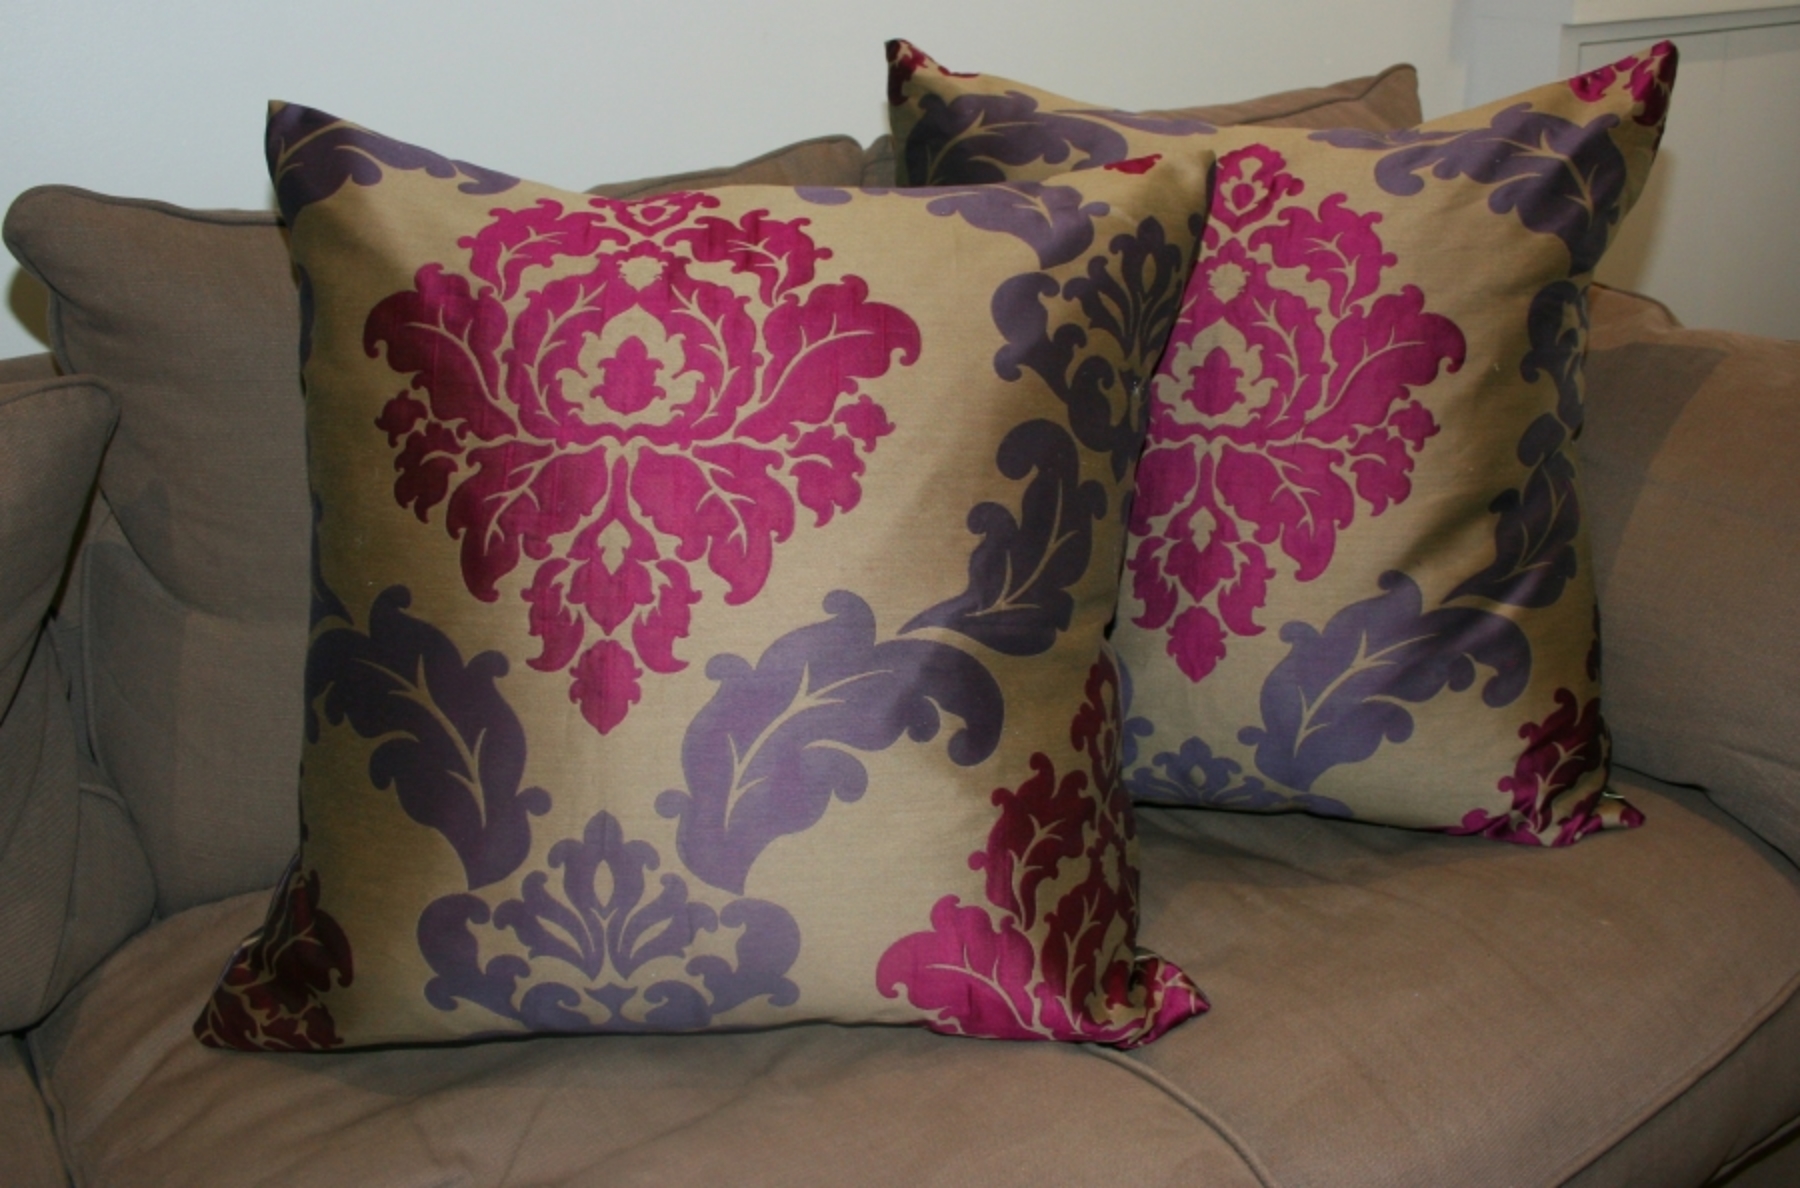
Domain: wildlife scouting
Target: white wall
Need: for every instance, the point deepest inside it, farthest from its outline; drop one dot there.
(165, 100)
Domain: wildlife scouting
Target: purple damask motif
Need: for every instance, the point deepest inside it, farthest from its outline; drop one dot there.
(1132, 295)
(773, 747)
(1538, 522)
(1571, 743)
(1017, 600)
(451, 748)
(268, 996)
(975, 139)
(1283, 455)
(1562, 178)
(1338, 694)
(631, 421)
(1030, 962)
(594, 927)
(311, 155)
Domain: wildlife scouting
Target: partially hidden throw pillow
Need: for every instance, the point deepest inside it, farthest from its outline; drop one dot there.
(1358, 578)
(708, 620)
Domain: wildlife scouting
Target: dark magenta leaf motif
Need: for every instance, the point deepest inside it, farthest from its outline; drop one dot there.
(1058, 929)
(311, 155)
(1340, 693)
(268, 998)
(639, 433)
(1561, 178)
(1559, 751)
(1537, 522)
(1017, 600)
(775, 745)
(975, 139)
(452, 749)
(1132, 295)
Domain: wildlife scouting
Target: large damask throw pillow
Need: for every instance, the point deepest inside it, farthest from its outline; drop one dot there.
(708, 622)
(1358, 580)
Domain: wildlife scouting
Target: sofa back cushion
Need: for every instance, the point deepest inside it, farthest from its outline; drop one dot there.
(1692, 464)
(195, 603)
(73, 883)
(1358, 582)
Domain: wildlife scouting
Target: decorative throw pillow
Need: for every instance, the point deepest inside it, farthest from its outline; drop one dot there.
(195, 630)
(1358, 582)
(708, 613)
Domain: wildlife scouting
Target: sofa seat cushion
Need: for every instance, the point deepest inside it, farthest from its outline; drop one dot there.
(1391, 1008)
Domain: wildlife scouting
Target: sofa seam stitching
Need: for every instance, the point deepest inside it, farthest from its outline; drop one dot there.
(1193, 1106)
(1679, 1085)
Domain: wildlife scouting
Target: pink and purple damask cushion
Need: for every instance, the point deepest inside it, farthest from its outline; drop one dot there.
(1358, 581)
(708, 618)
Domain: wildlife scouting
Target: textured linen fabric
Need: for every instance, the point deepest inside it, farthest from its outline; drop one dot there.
(1359, 582)
(192, 319)
(28, 1155)
(647, 531)
(1693, 452)
(1579, 1011)
(72, 878)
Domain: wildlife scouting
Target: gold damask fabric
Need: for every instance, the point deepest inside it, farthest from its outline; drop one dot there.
(708, 604)
(1358, 581)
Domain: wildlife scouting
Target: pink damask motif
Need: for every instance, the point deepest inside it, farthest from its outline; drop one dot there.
(620, 395)
(1569, 744)
(1649, 79)
(1300, 412)
(1033, 960)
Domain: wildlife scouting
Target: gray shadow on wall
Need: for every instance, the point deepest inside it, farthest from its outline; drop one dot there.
(30, 305)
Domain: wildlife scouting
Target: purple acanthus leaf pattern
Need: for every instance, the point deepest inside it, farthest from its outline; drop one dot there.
(974, 138)
(1538, 522)
(1017, 600)
(451, 748)
(1053, 951)
(1057, 222)
(1568, 745)
(1561, 178)
(1340, 693)
(312, 155)
(775, 745)
(1132, 295)
(591, 930)
(594, 399)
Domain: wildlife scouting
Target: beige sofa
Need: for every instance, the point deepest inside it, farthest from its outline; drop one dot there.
(1390, 1007)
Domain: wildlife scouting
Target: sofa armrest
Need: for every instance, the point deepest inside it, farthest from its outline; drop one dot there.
(1690, 461)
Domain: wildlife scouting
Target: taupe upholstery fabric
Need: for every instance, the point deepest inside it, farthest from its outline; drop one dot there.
(1379, 102)
(20, 368)
(192, 320)
(1691, 460)
(1347, 1046)
(821, 161)
(28, 1157)
(72, 879)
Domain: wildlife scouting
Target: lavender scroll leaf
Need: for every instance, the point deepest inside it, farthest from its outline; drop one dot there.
(1341, 692)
